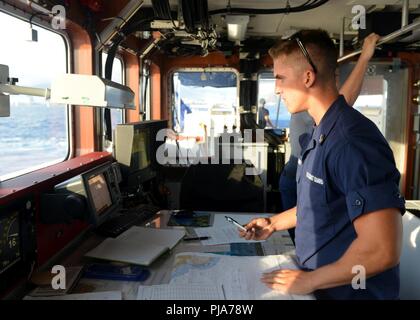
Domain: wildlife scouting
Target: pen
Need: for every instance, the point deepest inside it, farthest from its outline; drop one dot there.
(233, 221)
(196, 238)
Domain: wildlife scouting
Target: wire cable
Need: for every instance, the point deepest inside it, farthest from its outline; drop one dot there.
(304, 7)
(35, 15)
(124, 32)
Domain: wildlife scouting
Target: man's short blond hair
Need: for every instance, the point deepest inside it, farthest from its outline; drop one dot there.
(320, 47)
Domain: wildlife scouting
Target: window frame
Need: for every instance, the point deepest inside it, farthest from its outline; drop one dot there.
(102, 72)
(102, 110)
(145, 94)
(200, 69)
(40, 23)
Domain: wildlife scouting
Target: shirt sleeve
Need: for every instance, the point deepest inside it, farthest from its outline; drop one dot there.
(366, 174)
(266, 112)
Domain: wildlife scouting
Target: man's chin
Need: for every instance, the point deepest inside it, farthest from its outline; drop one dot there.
(293, 110)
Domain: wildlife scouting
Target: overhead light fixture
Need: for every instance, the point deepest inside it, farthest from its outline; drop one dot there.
(76, 89)
(91, 90)
(236, 26)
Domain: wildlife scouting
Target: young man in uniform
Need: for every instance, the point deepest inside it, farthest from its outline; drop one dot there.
(301, 125)
(348, 213)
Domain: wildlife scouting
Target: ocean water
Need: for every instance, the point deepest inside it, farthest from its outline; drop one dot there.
(32, 136)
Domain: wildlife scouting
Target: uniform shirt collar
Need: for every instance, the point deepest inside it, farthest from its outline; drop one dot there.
(329, 119)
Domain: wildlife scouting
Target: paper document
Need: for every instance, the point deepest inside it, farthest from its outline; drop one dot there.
(240, 276)
(180, 292)
(108, 295)
(242, 218)
(225, 235)
(278, 243)
(223, 232)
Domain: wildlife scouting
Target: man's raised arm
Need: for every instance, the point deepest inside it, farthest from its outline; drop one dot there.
(352, 86)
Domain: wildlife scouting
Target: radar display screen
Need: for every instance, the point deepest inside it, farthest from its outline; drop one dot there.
(9, 241)
(100, 193)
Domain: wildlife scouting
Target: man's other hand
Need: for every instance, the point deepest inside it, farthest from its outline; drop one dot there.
(369, 44)
(289, 281)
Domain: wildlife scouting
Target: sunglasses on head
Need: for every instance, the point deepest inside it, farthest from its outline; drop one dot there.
(304, 51)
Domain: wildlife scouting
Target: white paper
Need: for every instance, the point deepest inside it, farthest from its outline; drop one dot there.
(223, 235)
(180, 292)
(278, 243)
(242, 218)
(224, 232)
(240, 276)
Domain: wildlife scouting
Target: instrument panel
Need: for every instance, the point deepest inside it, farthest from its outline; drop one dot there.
(10, 252)
(18, 248)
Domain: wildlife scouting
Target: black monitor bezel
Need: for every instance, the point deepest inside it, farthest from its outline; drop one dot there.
(94, 217)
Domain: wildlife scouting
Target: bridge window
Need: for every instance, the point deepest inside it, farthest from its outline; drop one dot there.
(204, 105)
(37, 133)
(372, 101)
(270, 104)
(205, 99)
(117, 115)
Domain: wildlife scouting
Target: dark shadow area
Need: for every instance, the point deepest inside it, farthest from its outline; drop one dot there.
(221, 187)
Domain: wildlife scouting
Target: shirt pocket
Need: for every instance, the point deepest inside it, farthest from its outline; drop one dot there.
(313, 211)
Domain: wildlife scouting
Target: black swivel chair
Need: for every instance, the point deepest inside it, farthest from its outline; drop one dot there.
(221, 187)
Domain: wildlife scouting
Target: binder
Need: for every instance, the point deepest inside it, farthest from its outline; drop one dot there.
(137, 245)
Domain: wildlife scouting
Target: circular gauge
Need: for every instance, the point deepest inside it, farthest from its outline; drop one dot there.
(9, 241)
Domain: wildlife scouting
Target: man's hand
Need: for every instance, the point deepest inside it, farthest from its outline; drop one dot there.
(258, 229)
(369, 45)
(289, 281)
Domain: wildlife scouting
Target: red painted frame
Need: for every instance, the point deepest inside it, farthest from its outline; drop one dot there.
(50, 238)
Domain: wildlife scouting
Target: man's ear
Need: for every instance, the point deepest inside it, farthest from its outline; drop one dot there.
(309, 78)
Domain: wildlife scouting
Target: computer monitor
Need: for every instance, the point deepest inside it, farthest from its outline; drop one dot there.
(135, 149)
(99, 189)
(99, 193)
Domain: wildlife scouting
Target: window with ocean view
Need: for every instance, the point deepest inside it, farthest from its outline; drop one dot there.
(207, 99)
(270, 104)
(36, 134)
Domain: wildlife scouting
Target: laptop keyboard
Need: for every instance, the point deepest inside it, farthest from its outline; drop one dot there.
(126, 219)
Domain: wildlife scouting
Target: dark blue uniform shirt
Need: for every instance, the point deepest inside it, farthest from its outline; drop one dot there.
(347, 169)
